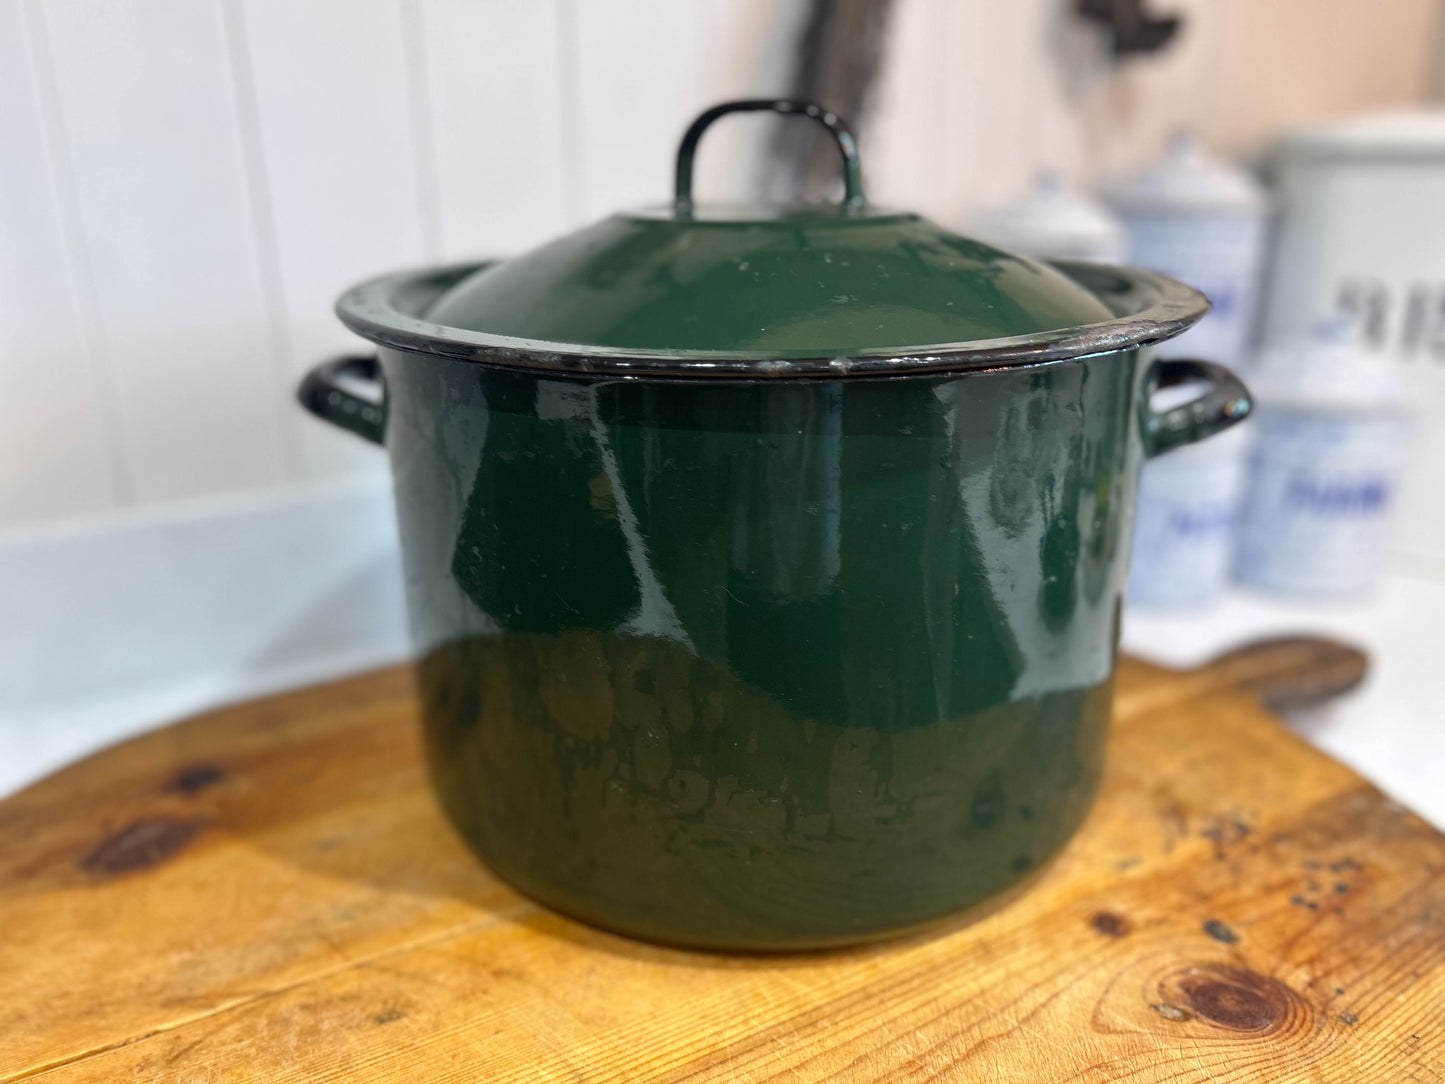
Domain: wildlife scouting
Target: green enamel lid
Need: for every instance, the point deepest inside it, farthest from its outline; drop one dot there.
(797, 283)
(771, 290)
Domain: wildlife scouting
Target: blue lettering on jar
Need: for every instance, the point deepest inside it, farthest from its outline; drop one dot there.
(1356, 498)
(1200, 522)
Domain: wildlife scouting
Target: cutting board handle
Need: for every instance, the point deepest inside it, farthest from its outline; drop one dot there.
(1290, 672)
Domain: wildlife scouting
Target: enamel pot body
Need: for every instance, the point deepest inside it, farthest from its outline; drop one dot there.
(765, 566)
(766, 664)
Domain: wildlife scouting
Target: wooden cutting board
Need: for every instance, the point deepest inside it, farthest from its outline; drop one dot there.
(268, 893)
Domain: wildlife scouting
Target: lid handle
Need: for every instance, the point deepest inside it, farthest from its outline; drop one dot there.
(847, 145)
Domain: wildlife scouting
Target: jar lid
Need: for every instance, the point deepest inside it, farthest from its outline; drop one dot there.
(1054, 220)
(1188, 179)
(1329, 368)
(768, 290)
(1404, 134)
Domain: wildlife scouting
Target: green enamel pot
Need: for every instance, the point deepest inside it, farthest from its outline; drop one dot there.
(765, 564)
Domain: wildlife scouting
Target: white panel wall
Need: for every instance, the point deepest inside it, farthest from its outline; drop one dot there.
(188, 184)
(147, 97)
(53, 428)
(492, 102)
(645, 68)
(638, 63)
(325, 89)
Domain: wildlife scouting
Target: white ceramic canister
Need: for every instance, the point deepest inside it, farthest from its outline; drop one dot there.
(1199, 219)
(1054, 221)
(1361, 232)
(1330, 436)
(1185, 520)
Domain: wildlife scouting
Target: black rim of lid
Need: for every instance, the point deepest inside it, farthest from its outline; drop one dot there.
(1150, 308)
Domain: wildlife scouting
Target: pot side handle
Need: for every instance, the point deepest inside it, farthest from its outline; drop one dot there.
(323, 393)
(1225, 402)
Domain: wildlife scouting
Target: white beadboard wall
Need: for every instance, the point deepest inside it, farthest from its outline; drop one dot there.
(188, 184)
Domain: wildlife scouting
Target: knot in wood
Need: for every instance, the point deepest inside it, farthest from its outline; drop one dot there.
(1235, 998)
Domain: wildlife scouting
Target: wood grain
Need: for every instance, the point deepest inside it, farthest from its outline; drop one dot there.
(268, 893)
